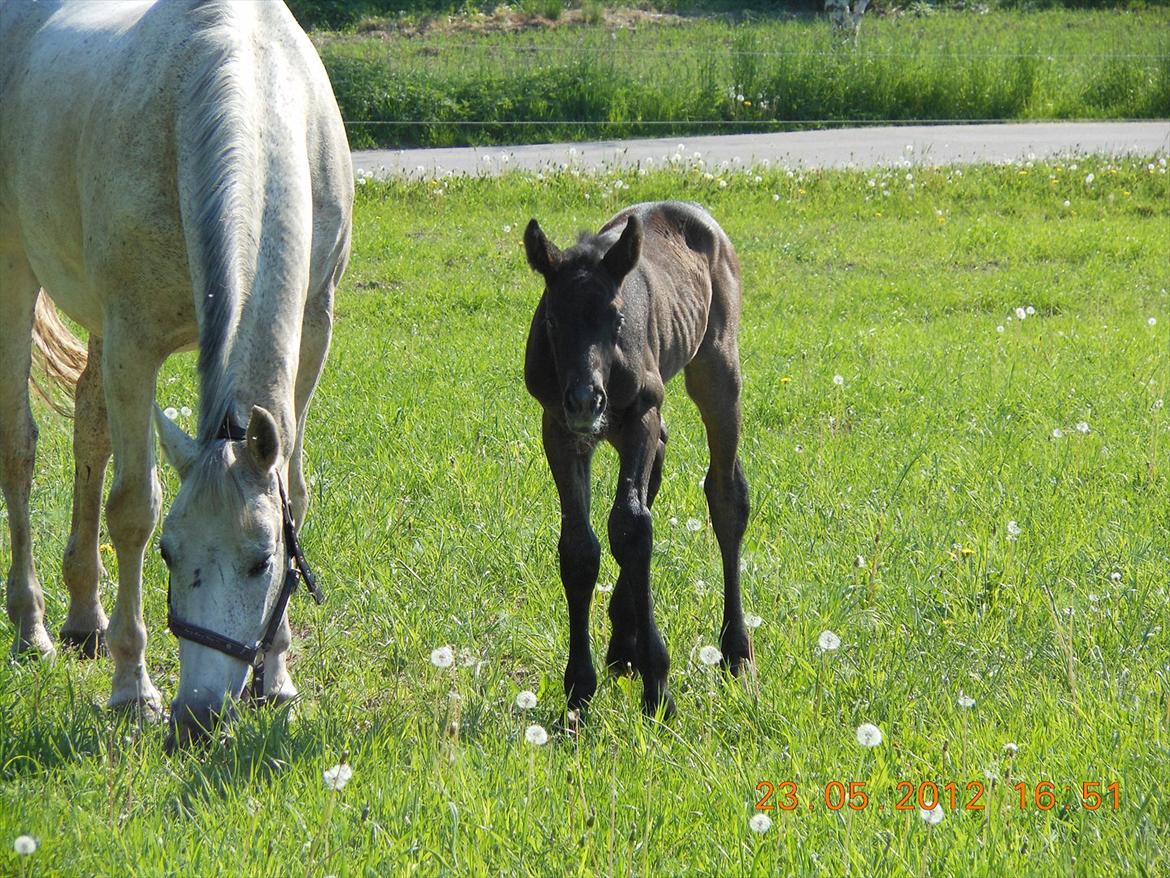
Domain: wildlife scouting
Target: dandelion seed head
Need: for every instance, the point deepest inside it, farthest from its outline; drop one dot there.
(1021, 314)
(1115, 576)
(443, 657)
(337, 777)
(26, 844)
(828, 641)
(868, 735)
(760, 823)
(1057, 433)
(710, 655)
(185, 411)
(838, 380)
(932, 816)
(536, 735)
(1011, 748)
(966, 701)
(1082, 426)
(171, 412)
(1153, 321)
(752, 621)
(1013, 530)
(526, 700)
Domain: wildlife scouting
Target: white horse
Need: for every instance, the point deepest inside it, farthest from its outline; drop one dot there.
(174, 174)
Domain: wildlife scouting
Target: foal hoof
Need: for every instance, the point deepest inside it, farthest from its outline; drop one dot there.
(660, 708)
(87, 644)
(620, 658)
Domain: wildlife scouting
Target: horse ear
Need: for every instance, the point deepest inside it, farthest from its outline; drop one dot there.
(263, 439)
(623, 255)
(543, 254)
(178, 448)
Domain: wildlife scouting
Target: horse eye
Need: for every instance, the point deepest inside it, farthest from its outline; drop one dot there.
(261, 567)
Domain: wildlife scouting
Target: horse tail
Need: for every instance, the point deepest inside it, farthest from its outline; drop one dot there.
(216, 147)
(58, 357)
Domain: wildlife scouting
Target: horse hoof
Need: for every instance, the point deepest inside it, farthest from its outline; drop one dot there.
(87, 644)
(144, 709)
(34, 644)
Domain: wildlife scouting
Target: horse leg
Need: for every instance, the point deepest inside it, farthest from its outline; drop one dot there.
(622, 654)
(316, 331)
(631, 540)
(579, 553)
(85, 625)
(713, 382)
(18, 441)
(131, 509)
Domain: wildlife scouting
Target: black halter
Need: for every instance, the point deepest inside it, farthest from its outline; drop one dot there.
(298, 569)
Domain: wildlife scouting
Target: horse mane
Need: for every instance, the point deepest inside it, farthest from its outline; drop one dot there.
(217, 146)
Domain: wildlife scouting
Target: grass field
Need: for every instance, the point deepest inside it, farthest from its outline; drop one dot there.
(467, 82)
(434, 523)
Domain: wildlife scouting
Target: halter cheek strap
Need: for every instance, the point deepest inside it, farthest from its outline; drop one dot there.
(298, 569)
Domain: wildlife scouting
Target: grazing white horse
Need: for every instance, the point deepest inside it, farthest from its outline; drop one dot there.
(174, 174)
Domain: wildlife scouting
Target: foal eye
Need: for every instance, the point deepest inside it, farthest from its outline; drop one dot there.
(261, 567)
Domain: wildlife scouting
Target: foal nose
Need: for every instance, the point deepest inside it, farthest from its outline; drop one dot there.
(584, 401)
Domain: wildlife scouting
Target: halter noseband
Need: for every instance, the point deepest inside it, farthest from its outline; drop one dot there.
(298, 569)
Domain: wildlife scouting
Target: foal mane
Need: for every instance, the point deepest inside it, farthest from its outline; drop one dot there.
(217, 148)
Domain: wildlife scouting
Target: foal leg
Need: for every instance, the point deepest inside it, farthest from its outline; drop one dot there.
(579, 551)
(85, 625)
(622, 656)
(129, 373)
(713, 382)
(18, 441)
(631, 539)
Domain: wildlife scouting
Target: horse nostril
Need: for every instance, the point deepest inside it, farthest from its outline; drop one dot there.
(579, 399)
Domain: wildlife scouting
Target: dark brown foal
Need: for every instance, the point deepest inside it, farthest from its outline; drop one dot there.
(655, 292)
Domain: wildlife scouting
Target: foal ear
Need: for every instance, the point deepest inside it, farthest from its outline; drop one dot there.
(543, 254)
(623, 255)
(263, 439)
(178, 448)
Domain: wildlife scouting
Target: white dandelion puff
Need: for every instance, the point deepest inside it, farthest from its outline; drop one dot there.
(966, 701)
(1010, 749)
(526, 700)
(760, 823)
(1115, 576)
(1029, 310)
(752, 621)
(932, 816)
(838, 380)
(26, 844)
(185, 411)
(1089, 179)
(1153, 321)
(443, 657)
(337, 777)
(828, 641)
(536, 735)
(868, 735)
(1021, 314)
(694, 525)
(1057, 433)
(859, 561)
(710, 655)
(171, 412)
(999, 328)
(1082, 426)
(1013, 530)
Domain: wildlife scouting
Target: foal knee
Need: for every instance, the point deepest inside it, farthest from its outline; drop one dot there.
(630, 532)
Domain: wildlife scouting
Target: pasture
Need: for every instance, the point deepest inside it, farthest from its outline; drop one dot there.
(977, 506)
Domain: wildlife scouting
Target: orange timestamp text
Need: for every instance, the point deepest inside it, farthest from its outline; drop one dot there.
(1091, 795)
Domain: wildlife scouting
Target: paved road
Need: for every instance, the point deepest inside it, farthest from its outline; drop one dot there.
(942, 144)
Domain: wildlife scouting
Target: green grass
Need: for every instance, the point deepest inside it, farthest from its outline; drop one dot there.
(434, 522)
(446, 87)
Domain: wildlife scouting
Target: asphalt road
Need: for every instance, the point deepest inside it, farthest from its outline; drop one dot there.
(860, 147)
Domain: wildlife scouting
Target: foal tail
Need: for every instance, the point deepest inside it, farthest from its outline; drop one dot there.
(58, 357)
